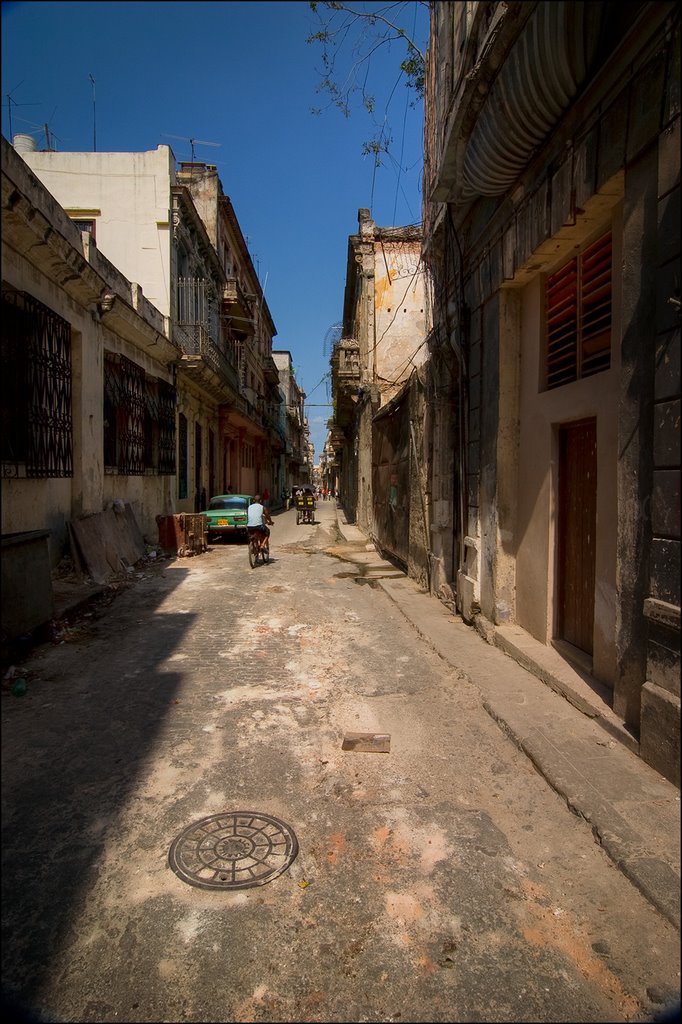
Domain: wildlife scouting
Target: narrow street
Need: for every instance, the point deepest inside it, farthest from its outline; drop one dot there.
(442, 880)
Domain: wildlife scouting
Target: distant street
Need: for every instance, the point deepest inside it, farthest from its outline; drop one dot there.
(443, 880)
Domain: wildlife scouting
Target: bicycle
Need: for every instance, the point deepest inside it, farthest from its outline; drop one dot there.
(259, 548)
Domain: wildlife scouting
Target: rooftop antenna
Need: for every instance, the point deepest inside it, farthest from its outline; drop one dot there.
(192, 142)
(11, 101)
(94, 116)
(49, 135)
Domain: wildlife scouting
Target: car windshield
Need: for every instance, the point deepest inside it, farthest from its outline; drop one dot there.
(225, 503)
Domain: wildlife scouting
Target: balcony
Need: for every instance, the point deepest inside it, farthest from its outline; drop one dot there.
(270, 371)
(346, 380)
(346, 372)
(237, 306)
(203, 361)
(195, 330)
(336, 439)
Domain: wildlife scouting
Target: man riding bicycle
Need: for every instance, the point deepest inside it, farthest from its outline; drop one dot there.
(258, 517)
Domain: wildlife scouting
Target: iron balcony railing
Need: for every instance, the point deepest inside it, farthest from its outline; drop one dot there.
(197, 329)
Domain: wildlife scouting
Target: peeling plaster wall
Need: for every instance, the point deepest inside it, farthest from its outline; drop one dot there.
(400, 312)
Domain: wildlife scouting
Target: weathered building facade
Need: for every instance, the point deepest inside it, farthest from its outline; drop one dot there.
(251, 437)
(175, 233)
(551, 216)
(88, 381)
(375, 430)
(298, 453)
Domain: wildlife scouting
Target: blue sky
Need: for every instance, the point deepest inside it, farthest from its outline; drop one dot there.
(242, 76)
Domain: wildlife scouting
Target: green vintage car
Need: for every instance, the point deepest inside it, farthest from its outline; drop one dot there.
(227, 515)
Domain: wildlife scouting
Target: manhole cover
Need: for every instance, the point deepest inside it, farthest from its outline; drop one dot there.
(237, 850)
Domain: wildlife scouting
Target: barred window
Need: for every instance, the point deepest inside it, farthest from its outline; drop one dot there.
(139, 420)
(159, 426)
(167, 401)
(182, 453)
(37, 419)
(578, 316)
(124, 408)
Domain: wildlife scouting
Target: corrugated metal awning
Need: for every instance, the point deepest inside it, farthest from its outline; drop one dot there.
(538, 81)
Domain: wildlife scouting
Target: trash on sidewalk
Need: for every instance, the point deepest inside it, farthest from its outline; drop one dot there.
(367, 742)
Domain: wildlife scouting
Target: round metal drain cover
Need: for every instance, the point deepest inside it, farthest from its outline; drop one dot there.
(236, 850)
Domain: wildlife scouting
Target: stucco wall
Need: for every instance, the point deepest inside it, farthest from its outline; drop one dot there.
(540, 415)
(131, 191)
(31, 504)
(46, 256)
(400, 311)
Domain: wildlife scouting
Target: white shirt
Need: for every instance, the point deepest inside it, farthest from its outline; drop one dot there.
(255, 515)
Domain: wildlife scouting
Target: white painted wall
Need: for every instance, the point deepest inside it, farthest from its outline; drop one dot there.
(130, 194)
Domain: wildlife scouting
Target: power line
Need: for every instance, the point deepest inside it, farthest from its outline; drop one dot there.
(402, 141)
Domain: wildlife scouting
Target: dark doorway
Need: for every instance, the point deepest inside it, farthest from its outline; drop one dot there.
(211, 464)
(577, 533)
(197, 466)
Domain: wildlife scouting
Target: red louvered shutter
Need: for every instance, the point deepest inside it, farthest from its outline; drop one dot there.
(578, 316)
(562, 325)
(595, 319)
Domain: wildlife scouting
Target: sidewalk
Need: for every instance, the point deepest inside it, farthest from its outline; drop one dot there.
(572, 737)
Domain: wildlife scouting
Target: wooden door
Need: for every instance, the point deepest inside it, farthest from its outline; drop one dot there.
(577, 532)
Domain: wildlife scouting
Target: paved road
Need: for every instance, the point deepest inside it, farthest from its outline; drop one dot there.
(441, 881)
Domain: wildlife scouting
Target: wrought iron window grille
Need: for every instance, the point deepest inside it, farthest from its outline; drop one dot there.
(37, 418)
(139, 420)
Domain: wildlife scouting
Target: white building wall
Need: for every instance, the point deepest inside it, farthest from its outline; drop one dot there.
(128, 196)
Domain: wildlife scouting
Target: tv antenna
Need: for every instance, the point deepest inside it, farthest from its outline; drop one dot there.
(94, 115)
(10, 101)
(192, 142)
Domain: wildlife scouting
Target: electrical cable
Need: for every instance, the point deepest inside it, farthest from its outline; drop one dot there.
(402, 141)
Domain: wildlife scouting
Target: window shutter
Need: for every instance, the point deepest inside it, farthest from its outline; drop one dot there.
(578, 316)
(562, 321)
(595, 320)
